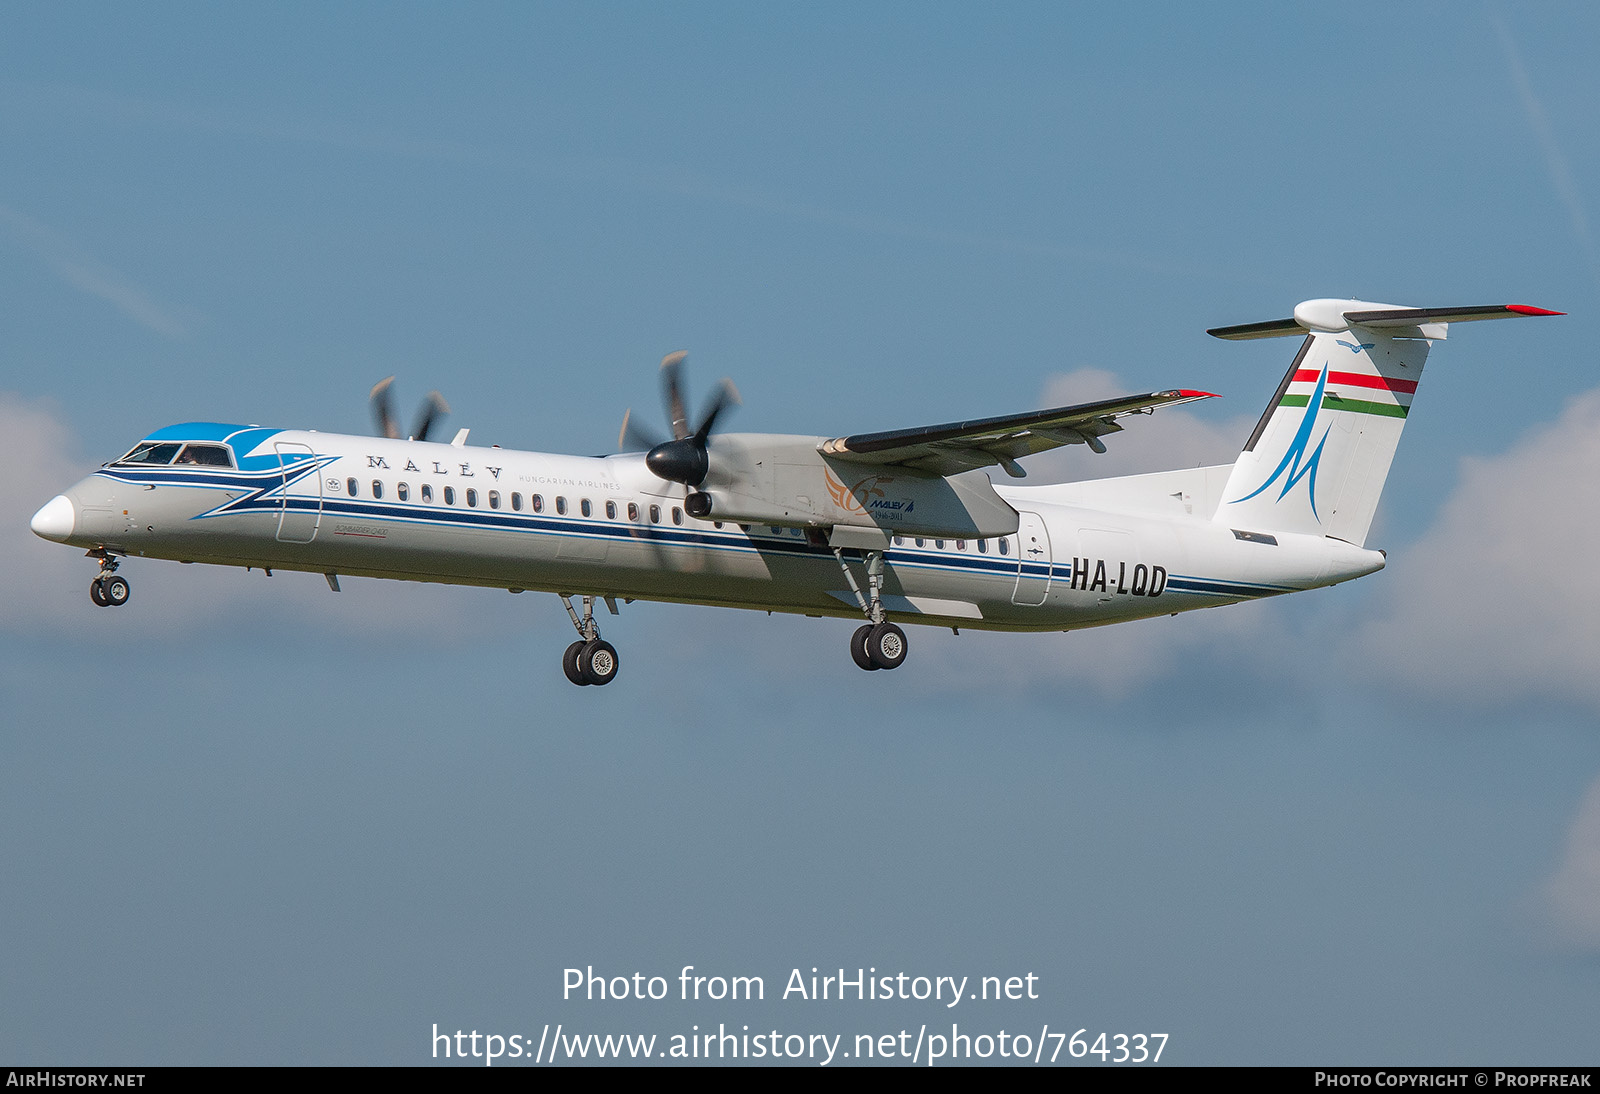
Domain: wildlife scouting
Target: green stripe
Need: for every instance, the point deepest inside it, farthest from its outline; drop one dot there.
(1354, 406)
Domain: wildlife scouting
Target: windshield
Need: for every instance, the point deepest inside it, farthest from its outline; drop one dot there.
(194, 455)
(151, 452)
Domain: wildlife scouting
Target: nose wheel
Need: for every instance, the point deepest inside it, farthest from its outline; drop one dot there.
(108, 590)
(591, 660)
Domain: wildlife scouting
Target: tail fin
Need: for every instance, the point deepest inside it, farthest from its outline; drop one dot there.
(1318, 458)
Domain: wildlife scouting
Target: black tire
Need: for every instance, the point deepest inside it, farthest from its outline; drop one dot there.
(858, 648)
(599, 662)
(886, 645)
(116, 590)
(569, 664)
(97, 593)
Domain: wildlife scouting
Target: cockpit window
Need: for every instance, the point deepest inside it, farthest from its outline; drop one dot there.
(206, 455)
(151, 452)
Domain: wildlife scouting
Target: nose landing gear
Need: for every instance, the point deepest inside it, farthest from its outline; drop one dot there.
(591, 660)
(108, 590)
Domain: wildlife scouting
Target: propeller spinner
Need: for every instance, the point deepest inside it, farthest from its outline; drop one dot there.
(684, 459)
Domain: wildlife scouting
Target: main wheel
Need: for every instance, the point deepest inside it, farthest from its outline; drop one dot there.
(598, 662)
(886, 646)
(569, 664)
(115, 590)
(97, 593)
(858, 648)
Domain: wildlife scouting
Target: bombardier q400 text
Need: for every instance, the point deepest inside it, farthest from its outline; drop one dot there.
(897, 527)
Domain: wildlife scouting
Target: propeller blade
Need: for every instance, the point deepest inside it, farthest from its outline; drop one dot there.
(383, 410)
(726, 395)
(672, 392)
(433, 408)
(635, 436)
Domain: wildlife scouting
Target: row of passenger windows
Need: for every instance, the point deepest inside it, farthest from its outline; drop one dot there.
(1002, 544)
(495, 500)
(536, 503)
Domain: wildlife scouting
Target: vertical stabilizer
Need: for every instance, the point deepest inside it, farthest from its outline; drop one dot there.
(1318, 458)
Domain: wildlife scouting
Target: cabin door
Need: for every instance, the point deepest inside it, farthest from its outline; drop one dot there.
(1033, 561)
(300, 508)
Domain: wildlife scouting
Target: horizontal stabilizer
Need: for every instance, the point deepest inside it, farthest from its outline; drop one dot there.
(1411, 317)
(1272, 328)
(1332, 316)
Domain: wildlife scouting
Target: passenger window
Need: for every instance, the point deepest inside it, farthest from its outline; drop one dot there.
(516, 501)
(377, 488)
(920, 543)
(655, 514)
(677, 515)
(633, 511)
(961, 545)
(939, 543)
(427, 493)
(983, 546)
(403, 492)
(449, 495)
(585, 508)
(472, 498)
(774, 529)
(561, 505)
(899, 541)
(494, 499)
(611, 510)
(537, 501)
(1005, 546)
(716, 524)
(352, 486)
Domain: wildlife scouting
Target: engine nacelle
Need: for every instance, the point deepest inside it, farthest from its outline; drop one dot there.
(786, 481)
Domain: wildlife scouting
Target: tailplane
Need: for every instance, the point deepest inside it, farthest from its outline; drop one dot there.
(1318, 458)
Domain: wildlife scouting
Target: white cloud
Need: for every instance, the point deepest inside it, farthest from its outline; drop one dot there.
(1498, 601)
(1570, 901)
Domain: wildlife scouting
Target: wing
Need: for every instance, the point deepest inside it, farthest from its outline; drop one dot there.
(962, 446)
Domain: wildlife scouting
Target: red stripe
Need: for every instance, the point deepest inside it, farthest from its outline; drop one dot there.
(1524, 309)
(1359, 379)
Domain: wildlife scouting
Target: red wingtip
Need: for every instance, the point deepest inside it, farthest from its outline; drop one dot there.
(1188, 393)
(1523, 309)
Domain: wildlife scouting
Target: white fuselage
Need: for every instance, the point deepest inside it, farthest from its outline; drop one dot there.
(1083, 555)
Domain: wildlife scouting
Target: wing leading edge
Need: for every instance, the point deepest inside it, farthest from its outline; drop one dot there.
(964, 446)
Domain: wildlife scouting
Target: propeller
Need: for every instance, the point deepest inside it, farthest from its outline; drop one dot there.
(683, 459)
(433, 408)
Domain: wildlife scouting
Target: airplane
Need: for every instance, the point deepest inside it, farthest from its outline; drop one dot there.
(898, 527)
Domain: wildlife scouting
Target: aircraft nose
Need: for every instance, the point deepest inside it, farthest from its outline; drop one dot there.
(56, 520)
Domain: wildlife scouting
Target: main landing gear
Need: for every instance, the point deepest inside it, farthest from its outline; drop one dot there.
(108, 590)
(879, 644)
(591, 659)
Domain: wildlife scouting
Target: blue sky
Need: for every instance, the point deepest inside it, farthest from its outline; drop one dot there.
(252, 822)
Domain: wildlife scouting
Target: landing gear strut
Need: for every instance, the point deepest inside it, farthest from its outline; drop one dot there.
(591, 659)
(880, 644)
(108, 590)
